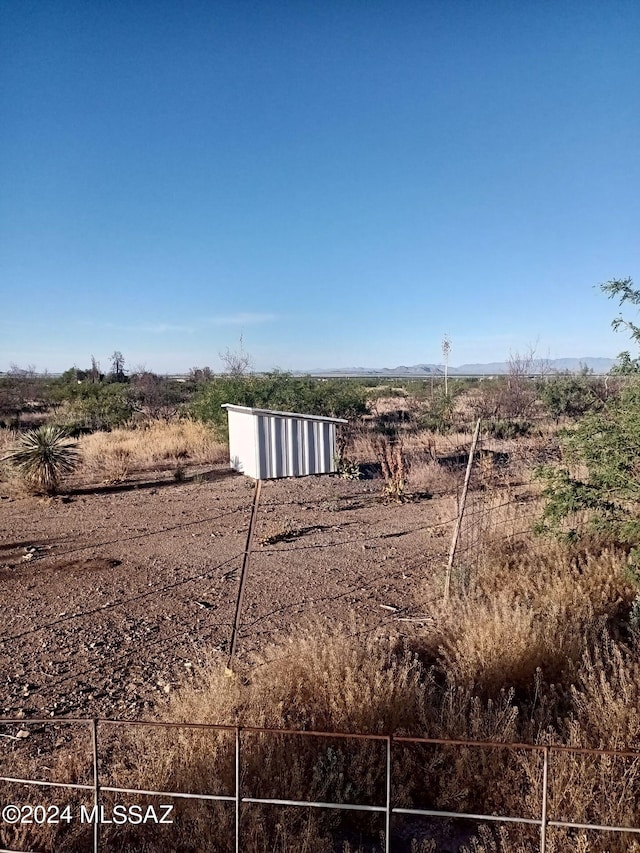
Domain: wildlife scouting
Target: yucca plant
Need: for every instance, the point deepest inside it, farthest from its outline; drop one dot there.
(43, 456)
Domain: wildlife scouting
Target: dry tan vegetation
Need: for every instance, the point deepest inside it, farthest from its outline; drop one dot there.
(424, 473)
(545, 660)
(536, 664)
(12, 483)
(8, 438)
(530, 612)
(154, 444)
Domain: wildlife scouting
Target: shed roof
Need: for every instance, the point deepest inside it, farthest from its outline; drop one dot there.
(251, 411)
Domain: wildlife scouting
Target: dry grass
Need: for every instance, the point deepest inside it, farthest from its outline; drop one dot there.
(8, 439)
(392, 405)
(497, 667)
(12, 483)
(367, 686)
(543, 630)
(436, 463)
(505, 840)
(361, 447)
(112, 456)
(425, 475)
(421, 441)
(328, 679)
(339, 679)
(346, 683)
(530, 611)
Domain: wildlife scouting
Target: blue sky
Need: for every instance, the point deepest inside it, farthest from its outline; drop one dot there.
(342, 183)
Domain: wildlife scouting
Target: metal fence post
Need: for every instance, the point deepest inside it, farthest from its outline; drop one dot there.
(545, 787)
(237, 789)
(463, 499)
(96, 787)
(387, 828)
(243, 576)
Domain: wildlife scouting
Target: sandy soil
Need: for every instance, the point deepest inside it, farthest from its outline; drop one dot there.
(113, 594)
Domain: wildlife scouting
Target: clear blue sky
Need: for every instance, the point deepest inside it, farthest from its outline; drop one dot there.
(341, 182)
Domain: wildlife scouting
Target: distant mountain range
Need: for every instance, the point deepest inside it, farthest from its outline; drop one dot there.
(555, 365)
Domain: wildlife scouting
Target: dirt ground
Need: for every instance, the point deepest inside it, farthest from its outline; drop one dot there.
(112, 595)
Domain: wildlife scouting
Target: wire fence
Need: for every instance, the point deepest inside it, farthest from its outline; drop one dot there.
(541, 817)
(501, 501)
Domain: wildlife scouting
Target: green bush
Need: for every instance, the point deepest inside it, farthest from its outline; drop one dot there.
(438, 411)
(281, 392)
(602, 477)
(570, 395)
(91, 407)
(503, 428)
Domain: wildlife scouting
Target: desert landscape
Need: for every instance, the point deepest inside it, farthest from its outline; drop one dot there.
(319, 427)
(120, 581)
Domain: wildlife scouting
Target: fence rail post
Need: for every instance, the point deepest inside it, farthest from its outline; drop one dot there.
(387, 825)
(545, 789)
(96, 786)
(237, 804)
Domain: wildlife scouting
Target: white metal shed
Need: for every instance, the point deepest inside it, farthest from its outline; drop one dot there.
(267, 445)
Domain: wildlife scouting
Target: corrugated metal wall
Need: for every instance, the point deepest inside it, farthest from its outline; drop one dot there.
(293, 447)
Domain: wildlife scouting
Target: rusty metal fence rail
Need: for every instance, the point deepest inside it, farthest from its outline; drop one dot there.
(96, 789)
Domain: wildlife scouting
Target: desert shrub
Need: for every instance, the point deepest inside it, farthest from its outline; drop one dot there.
(531, 609)
(336, 680)
(606, 697)
(502, 428)
(438, 412)
(21, 394)
(625, 292)
(155, 396)
(603, 713)
(321, 679)
(347, 468)
(43, 456)
(569, 395)
(599, 488)
(93, 406)
(280, 392)
(507, 397)
(428, 388)
(513, 395)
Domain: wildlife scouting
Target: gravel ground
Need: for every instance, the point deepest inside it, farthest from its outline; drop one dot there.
(113, 594)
